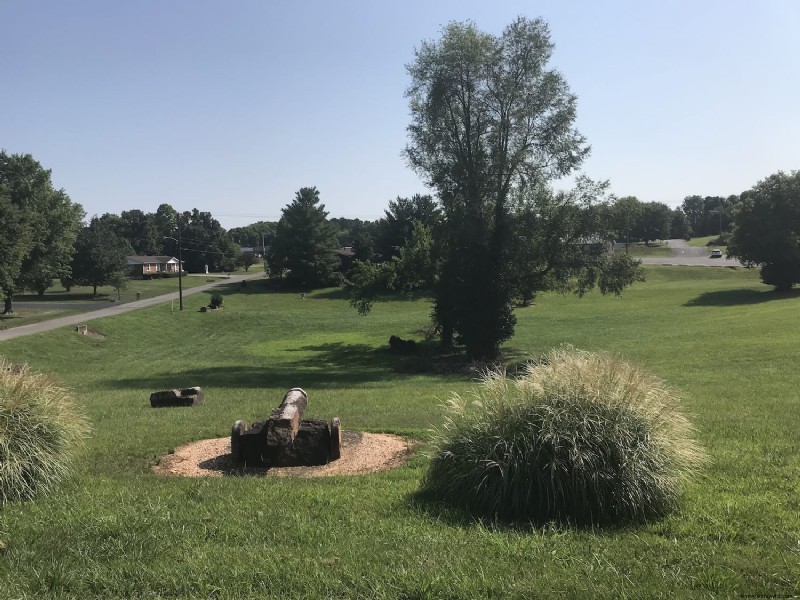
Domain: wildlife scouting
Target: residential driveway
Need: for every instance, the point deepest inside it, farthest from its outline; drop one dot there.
(115, 309)
(685, 255)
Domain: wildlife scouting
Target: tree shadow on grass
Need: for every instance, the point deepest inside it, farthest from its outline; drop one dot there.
(62, 296)
(740, 297)
(332, 365)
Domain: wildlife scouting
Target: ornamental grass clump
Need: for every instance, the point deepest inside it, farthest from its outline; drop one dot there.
(40, 430)
(579, 438)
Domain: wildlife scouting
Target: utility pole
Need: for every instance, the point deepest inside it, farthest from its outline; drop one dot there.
(264, 252)
(180, 266)
(180, 270)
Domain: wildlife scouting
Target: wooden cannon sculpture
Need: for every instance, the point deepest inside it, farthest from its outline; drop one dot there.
(285, 439)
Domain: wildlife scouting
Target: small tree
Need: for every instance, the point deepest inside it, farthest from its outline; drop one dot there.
(766, 223)
(246, 259)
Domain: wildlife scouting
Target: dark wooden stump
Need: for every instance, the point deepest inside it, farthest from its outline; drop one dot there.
(186, 397)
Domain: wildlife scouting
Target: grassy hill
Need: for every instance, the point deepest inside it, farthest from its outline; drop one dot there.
(117, 530)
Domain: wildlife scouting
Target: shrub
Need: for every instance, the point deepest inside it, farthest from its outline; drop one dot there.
(579, 438)
(216, 301)
(40, 430)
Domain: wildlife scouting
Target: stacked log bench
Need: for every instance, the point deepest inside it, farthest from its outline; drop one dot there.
(285, 439)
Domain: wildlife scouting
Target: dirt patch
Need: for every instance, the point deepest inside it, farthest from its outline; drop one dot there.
(361, 453)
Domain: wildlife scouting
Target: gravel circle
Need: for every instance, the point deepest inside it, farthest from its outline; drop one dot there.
(362, 453)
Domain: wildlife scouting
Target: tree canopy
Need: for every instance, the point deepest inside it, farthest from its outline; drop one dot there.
(766, 226)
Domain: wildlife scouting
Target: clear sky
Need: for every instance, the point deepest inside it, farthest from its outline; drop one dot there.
(231, 107)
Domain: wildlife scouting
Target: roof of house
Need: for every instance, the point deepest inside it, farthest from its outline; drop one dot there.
(141, 260)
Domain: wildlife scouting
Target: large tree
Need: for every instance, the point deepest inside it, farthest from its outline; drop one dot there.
(304, 243)
(38, 227)
(204, 242)
(766, 226)
(626, 214)
(654, 223)
(100, 256)
(488, 116)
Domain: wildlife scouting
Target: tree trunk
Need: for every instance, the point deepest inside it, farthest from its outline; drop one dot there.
(8, 308)
(94, 293)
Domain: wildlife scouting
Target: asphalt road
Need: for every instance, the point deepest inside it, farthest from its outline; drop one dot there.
(115, 309)
(685, 255)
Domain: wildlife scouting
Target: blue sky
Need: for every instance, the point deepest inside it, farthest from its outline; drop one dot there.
(231, 107)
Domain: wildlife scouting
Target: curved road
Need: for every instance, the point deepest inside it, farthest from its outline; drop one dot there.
(692, 256)
(116, 309)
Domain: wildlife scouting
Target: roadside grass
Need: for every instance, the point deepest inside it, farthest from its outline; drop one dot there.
(706, 241)
(654, 250)
(58, 302)
(701, 241)
(118, 530)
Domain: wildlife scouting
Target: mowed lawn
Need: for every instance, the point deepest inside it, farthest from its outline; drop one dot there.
(118, 530)
(58, 302)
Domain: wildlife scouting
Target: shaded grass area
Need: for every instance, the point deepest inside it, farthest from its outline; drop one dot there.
(117, 530)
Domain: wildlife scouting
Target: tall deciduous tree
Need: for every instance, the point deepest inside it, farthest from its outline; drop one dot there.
(488, 116)
(766, 226)
(38, 227)
(654, 223)
(626, 214)
(100, 256)
(304, 243)
(204, 242)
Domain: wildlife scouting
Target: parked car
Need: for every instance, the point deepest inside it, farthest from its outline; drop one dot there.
(716, 253)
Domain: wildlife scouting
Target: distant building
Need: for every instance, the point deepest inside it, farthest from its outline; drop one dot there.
(144, 267)
(345, 255)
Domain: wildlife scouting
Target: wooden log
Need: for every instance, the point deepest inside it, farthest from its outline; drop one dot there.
(237, 431)
(186, 397)
(336, 438)
(285, 420)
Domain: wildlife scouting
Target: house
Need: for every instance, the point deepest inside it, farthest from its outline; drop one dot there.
(345, 255)
(147, 267)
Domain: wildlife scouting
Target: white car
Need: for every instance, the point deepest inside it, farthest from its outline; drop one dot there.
(716, 253)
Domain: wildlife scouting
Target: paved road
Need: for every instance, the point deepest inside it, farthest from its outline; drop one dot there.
(115, 309)
(685, 255)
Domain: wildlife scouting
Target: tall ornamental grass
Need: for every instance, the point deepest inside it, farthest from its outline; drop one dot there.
(40, 430)
(579, 438)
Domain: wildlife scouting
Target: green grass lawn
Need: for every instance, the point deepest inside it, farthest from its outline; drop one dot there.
(58, 302)
(117, 530)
